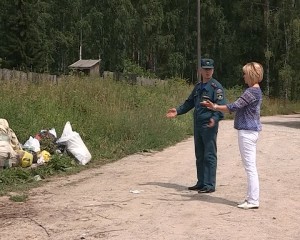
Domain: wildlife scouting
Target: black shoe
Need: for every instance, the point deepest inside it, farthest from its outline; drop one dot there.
(206, 190)
(195, 188)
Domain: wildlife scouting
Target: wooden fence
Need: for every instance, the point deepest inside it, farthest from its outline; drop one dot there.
(9, 75)
(31, 77)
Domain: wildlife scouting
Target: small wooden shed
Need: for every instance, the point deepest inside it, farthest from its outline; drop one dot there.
(88, 67)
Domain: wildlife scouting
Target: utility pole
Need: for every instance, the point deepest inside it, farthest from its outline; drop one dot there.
(80, 47)
(267, 54)
(198, 42)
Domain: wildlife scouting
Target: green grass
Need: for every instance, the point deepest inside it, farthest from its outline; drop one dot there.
(19, 198)
(114, 119)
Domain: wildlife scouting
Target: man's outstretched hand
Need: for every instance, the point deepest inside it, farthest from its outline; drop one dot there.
(172, 112)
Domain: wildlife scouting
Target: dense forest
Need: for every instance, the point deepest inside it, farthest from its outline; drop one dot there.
(158, 36)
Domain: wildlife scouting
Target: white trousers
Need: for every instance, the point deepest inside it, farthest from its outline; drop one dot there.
(247, 144)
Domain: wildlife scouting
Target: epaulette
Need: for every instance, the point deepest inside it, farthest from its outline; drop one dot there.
(214, 85)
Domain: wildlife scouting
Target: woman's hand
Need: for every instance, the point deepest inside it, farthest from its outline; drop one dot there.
(208, 104)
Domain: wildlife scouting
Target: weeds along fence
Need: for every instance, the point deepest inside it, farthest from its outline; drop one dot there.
(133, 79)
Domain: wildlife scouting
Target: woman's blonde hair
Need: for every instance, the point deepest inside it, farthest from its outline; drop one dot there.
(255, 72)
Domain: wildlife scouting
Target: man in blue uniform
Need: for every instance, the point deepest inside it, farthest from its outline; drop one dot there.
(206, 124)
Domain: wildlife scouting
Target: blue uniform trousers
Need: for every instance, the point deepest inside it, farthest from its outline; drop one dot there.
(206, 155)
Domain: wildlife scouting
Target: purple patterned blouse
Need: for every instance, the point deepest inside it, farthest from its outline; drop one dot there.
(247, 108)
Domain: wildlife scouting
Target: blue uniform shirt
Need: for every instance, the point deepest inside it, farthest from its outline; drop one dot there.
(211, 90)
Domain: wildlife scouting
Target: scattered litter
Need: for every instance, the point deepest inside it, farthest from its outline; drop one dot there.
(37, 178)
(74, 144)
(32, 144)
(38, 150)
(136, 191)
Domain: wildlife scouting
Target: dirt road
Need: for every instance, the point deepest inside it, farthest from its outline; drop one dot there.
(146, 197)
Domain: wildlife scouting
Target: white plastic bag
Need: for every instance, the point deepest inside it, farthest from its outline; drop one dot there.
(74, 144)
(52, 131)
(32, 144)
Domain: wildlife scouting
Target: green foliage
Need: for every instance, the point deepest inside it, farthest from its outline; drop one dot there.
(18, 198)
(286, 76)
(159, 36)
(176, 64)
(20, 179)
(57, 164)
(23, 35)
(132, 68)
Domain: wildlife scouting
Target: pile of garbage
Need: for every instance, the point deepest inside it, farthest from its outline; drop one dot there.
(38, 150)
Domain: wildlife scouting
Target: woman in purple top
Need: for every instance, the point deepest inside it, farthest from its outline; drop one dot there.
(247, 122)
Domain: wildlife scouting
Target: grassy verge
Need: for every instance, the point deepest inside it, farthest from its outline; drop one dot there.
(114, 119)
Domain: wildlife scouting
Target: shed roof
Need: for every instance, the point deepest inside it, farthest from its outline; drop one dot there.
(83, 64)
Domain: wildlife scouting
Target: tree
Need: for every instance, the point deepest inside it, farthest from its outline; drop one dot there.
(23, 36)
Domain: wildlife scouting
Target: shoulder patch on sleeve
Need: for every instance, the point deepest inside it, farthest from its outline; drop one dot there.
(220, 94)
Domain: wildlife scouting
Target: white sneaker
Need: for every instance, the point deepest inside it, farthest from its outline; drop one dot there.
(242, 202)
(246, 205)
